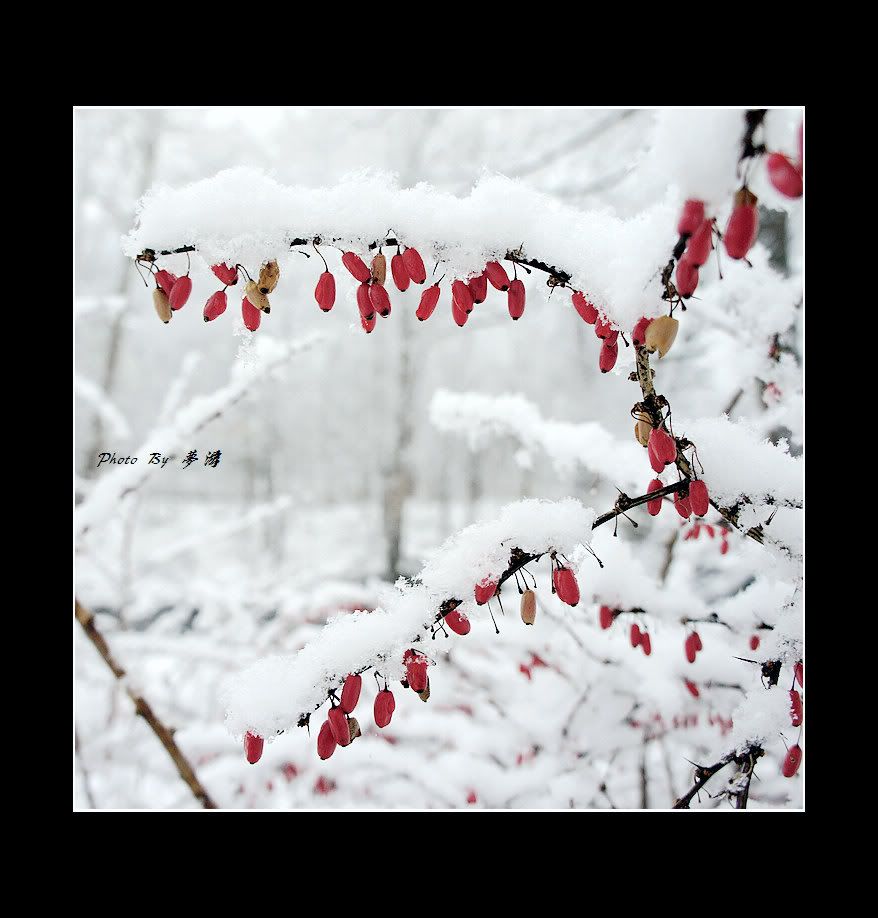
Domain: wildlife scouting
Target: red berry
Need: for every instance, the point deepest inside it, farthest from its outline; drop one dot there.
(696, 641)
(689, 647)
(566, 586)
(645, 643)
(324, 292)
(605, 616)
(754, 642)
(585, 309)
(654, 506)
(485, 590)
(796, 714)
(384, 707)
(636, 636)
(166, 281)
(515, 299)
(356, 266)
(457, 623)
(253, 745)
(429, 299)
(369, 324)
(692, 687)
(699, 499)
(215, 306)
(326, 742)
(682, 505)
(686, 279)
(742, 229)
(252, 316)
(471, 797)
(400, 273)
(700, 245)
(497, 275)
(792, 761)
(785, 177)
(662, 448)
(364, 301)
(350, 693)
(414, 264)
(379, 299)
(416, 670)
(638, 336)
(608, 355)
(478, 287)
(800, 673)
(226, 274)
(180, 292)
(462, 296)
(724, 546)
(602, 328)
(691, 218)
(459, 315)
(338, 723)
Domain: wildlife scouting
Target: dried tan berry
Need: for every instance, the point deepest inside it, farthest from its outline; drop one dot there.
(256, 297)
(528, 607)
(379, 269)
(162, 304)
(661, 333)
(424, 696)
(268, 278)
(642, 428)
(354, 726)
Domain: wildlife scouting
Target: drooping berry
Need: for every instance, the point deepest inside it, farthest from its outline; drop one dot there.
(689, 647)
(686, 278)
(166, 281)
(638, 336)
(645, 643)
(226, 274)
(338, 723)
(364, 301)
(608, 356)
(379, 269)
(478, 287)
(429, 299)
(324, 292)
(457, 622)
(754, 642)
(484, 590)
(350, 693)
(251, 315)
(326, 741)
(692, 687)
(215, 305)
(400, 273)
(696, 641)
(459, 315)
(497, 275)
(605, 617)
(743, 225)
(792, 761)
(462, 296)
(384, 708)
(180, 292)
(416, 670)
(587, 312)
(800, 673)
(566, 586)
(379, 299)
(682, 505)
(253, 746)
(796, 713)
(602, 328)
(662, 448)
(356, 266)
(414, 264)
(699, 499)
(699, 247)
(691, 217)
(784, 175)
(636, 635)
(528, 607)
(515, 298)
(369, 324)
(654, 506)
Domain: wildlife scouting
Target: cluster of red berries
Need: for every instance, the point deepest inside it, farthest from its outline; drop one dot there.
(793, 758)
(694, 499)
(640, 639)
(536, 661)
(638, 636)
(692, 645)
(609, 337)
(695, 531)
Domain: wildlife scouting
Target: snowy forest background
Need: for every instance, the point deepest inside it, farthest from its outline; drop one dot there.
(352, 464)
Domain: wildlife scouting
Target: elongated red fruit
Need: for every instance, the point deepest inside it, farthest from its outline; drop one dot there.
(654, 506)
(638, 336)
(166, 281)
(515, 298)
(686, 278)
(338, 723)
(646, 643)
(696, 641)
(251, 315)
(636, 635)
(326, 741)
(605, 617)
(682, 505)
(743, 226)
(800, 674)
(180, 292)
(478, 287)
(497, 275)
(459, 315)
(350, 693)
(226, 274)
(215, 306)
(699, 499)
(689, 647)
(691, 217)
(785, 177)
(754, 642)
(602, 328)
(663, 444)
(400, 273)
(457, 623)
(253, 747)
(369, 324)
(484, 590)
(429, 299)
(356, 266)
(385, 705)
(324, 292)
(566, 586)
(692, 687)
(587, 312)
(462, 295)
(655, 460)
(792, 761)
(379, 299)
(608, 356)
(364, 301)
(796, 713)
(415, 670)
(414, 264)
(700, 245)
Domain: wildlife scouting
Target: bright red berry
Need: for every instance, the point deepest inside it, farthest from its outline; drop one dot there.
(400, 273)
(429, 299)
(515, 299)
(692, 687)
(700, 245)
(414, 264)
(166, 281)
(754, 642)
(796, 713)
(497, 275)
(587, 312)
(462, 295)
(743, 226)
(645, 643)
(605, 616)
(699, 499)
(457, 623)
(638, 336)
(792, 761)
(326, 741)
(691, 217)
(253, 745)
(800, 673)
(350, 693)
(251, 315)
(416, 670)
(478, 287)
(180, 292)
(485, 590)
(636, 635)
(566, 586)
(364, 301)
(356, 266)
(379, 299)
(654, 506)
(608, 356)
(338, 723)
(226, 274)
(686, 278)
(785, 177)
(384, 707)
(215, 306)
(324, 292)
(369, 324)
